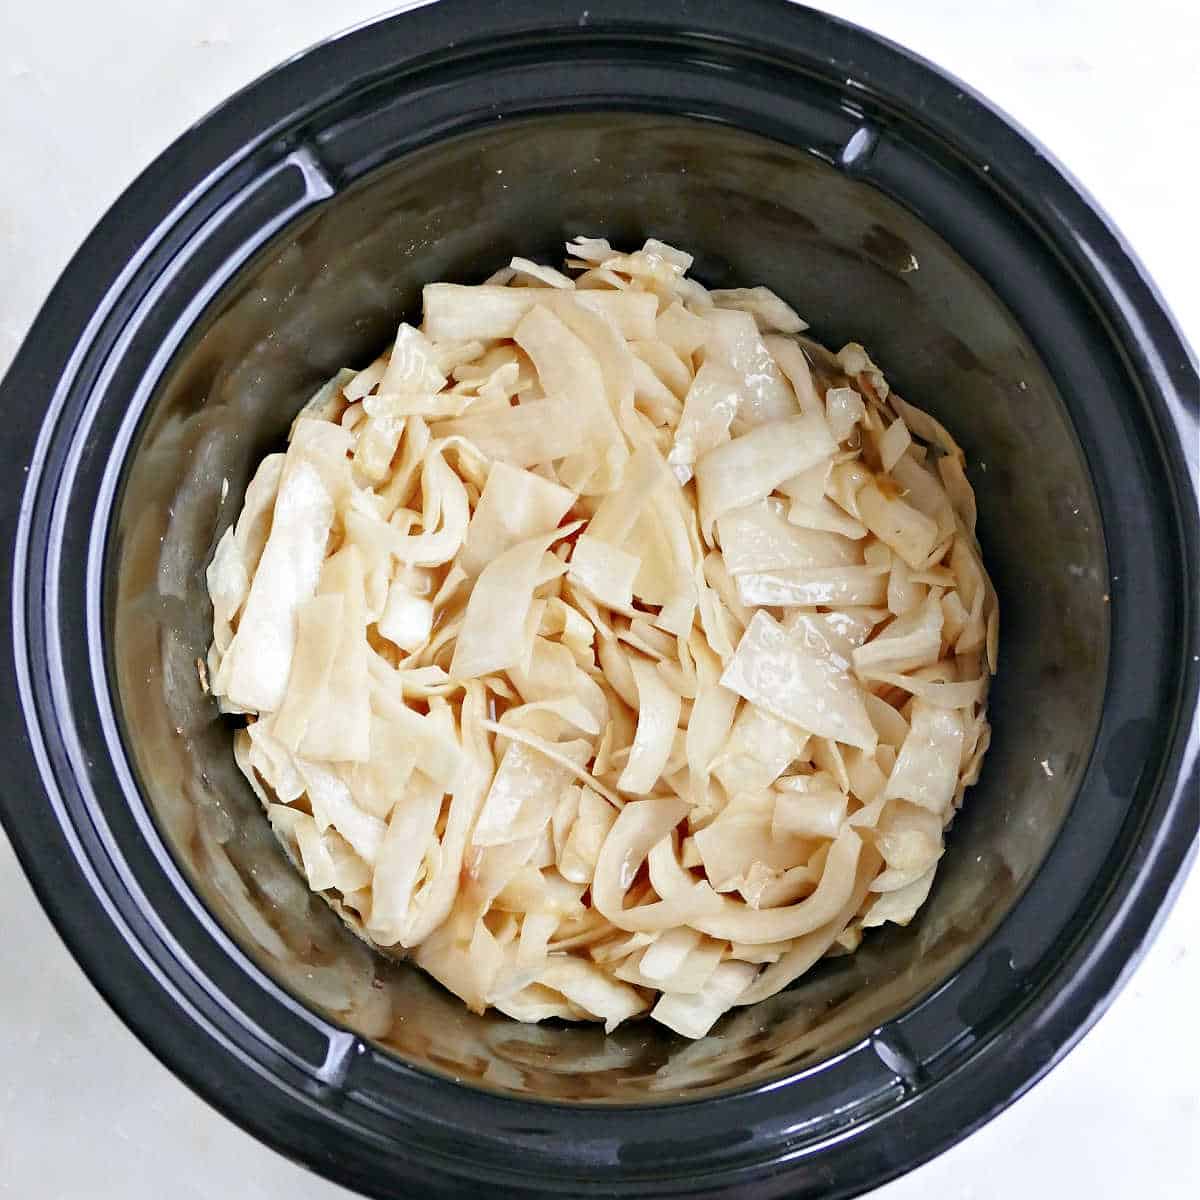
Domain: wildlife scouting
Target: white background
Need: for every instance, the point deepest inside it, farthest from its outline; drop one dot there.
(91, 92)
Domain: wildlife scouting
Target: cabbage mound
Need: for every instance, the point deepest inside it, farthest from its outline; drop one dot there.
(607, 646)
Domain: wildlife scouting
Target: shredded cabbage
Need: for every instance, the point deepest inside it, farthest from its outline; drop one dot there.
(800, 683)
(492, 636)
(747, 469)
(734, 342)
(514, 506)
(255, 668)
(708, 410)
(608, 645)
(658, 716)
(768, 310)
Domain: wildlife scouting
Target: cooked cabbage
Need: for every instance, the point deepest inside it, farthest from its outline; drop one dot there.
(608, 645)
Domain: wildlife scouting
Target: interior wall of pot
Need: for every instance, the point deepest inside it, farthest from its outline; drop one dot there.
(329, 293)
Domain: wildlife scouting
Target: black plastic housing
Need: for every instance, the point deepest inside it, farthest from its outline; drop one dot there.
(283, 238)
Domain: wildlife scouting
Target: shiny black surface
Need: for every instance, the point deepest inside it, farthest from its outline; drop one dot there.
(277, 241)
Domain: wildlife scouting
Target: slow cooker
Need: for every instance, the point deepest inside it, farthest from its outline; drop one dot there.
(282, 238)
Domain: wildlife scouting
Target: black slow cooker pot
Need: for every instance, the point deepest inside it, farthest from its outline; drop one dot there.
(283, 238)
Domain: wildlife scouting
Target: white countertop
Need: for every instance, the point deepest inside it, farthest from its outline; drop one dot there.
(85, 1111)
